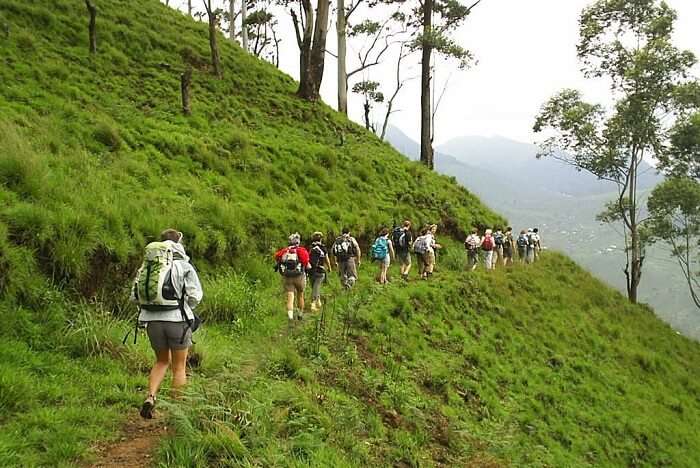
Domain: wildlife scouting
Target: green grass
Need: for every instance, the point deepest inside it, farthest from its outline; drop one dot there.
(540, 366)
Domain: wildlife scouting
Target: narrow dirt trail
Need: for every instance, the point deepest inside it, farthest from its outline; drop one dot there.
(136, 445)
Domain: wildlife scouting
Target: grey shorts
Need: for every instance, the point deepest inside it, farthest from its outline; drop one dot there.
(295, 284)
(167, 335)
(404, 258)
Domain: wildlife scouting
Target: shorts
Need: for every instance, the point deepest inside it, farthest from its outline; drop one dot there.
(507, 253)
(168, 335)
(404, 258)
(294, 283)
(385, 261)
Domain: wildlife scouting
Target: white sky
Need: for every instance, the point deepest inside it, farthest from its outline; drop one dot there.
(526, 52)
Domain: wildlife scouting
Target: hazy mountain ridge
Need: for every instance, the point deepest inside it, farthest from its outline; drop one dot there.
(563, 202)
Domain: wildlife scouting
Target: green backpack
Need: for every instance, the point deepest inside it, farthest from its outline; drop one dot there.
(154, 286)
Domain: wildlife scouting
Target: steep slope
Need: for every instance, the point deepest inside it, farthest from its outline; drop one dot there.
(541, 366)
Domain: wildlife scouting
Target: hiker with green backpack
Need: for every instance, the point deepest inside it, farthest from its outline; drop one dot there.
(167, 289)
(383, 252)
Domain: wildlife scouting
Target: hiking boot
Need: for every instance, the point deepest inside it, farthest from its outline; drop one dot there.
(300, 315)
(147, 407)
(314, 306)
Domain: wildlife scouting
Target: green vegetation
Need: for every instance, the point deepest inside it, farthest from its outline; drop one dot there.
(541, 366)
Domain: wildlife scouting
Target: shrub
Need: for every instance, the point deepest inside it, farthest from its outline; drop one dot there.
(108, 135)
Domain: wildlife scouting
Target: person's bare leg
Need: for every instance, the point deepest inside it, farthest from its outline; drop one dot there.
(155, 379)
(179, 367)
(290, 300)
(300, 300)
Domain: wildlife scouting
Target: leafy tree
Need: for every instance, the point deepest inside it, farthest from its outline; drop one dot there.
(629, 43)
(371, 93)
(674, 207)
(400, 82)
(434, 21)
(311, 28)
(262, 29)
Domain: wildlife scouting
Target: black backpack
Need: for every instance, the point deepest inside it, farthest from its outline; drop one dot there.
(317, 257)
(343, 248)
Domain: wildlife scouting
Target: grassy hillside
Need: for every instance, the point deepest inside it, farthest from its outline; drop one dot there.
(541, 366)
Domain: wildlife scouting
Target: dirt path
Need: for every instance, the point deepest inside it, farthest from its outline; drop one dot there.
(135, 447)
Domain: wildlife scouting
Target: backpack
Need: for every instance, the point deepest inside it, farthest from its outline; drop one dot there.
(420, 246)
(343, 248)
(471, 244)
(380, 248)
(487, 244)
(508, 244)
(317, 257)
(498, 238)
(532, 240)
(289, 264)
(522, 241)
(154, 288)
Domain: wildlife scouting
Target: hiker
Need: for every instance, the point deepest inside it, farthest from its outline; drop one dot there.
(420, 246)
(402, 240)
(292, 262)
(538, 243)
(522, 243)
(530, 258)
(431, 246)
(320, 266)
(488, 245)
(166, 309)
(383, 252)
(508, 247)
(498, 239)
(471, 244)
(347, 255)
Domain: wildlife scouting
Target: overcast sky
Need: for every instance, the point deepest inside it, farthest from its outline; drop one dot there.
(526, 52)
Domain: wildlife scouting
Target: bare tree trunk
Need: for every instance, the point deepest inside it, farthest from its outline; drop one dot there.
(244, 26)
(213, 45)
(367, 109)
(232, 23)
(92, 28)
(189, 7)
(312, 48)
(399, 85)
(426, 147)
(341, 31)
(185, 83)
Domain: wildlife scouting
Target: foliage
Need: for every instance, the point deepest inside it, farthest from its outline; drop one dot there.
(674, 208)
(629, 43)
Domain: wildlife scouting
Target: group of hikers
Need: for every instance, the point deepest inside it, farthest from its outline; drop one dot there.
(167, 288)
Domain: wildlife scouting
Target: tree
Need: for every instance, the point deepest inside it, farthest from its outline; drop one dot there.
(311, 29)
(628, 42)
(92, 28)
(435, 37)
(212, 17)
(674, 208)
(263, 32)
(244, 22)
(400, 82)
(371, 93)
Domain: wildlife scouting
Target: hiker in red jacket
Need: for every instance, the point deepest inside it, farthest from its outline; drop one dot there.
(293, 263)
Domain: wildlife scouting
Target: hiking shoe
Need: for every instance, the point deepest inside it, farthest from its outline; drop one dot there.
(147, 407)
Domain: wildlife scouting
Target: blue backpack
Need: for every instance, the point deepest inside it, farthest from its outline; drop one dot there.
(380, 248)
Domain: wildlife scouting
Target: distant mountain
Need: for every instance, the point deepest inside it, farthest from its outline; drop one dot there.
(517, 163)
(563, 202)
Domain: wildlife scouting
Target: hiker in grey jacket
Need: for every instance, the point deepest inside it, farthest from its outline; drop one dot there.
(169, 330)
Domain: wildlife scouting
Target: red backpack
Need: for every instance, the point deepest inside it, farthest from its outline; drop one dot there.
(487, 244)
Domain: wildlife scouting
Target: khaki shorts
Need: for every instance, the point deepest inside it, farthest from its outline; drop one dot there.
(404, 258)
(294, 283)
(168, 335)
